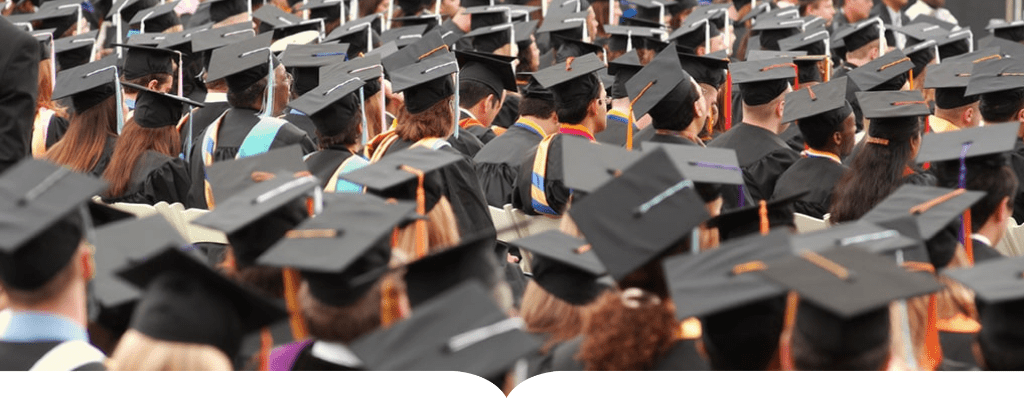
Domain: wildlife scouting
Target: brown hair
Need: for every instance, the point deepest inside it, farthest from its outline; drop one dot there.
(618, 337)
(45, 86)
(49, 290)
(368, 7)
(83, 142)
(135, 140)
(161, 79)
(341, 323)
(442, 230)
(433, 122)
(268, 280)
(373, 108)
(138, 352)
(547, 314)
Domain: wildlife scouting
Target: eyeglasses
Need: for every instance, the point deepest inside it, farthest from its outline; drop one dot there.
(605, 101)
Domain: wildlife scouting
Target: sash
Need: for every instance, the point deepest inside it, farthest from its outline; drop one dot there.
(618, 116)
(538, 197)
(530, 125)
(39, 131)
(341, 185)
(68, 355)
(470, 122)
(808, 152)
(283, 358)
(258, 141)
(380, 145)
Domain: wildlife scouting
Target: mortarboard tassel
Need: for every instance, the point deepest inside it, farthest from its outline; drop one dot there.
(932, 355)
(629, 127)
(389, 308)
(421, 208)
(291, 297)
(828, 70)
(911, 80)
(728, 100)
(763, 213)
(266, 342)
(965, 222)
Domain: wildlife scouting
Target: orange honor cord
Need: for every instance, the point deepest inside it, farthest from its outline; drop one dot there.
(389, 308)
(291, 298)
(932, 345)
(421, 208)
(629, 127)
(266, 343)
(911, 80)
(763, 214)
(968, 244)
(728, 100)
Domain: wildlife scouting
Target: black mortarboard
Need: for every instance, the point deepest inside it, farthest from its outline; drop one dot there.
(921, 54)
(589, 166)
(342, 251)
(58, 18)
(361, 34)
(756, 11)
(88, 84)
(888, 72)
(145, 39)
(623, 36)
(328, 10)
(488, 39)
(492, 70)
(692, 33)
(707, 69)
(747, 220)
(639, 215)
(719, 279)
(429, 20)
(442, 270)
(957, 42)
(817, 99)
(919, 31)
(367, 68)
(573, 48)
(403, 36)
(661, 88)
(950, 80)
(182, 40)
(652, 9)
(426, 82)
(388, 173)
(771, 30)
(996, 75)
(220, 10)
(623, 68)
(270, 17)
(461, 330)
(572, 80)
(42, 226)
(875, 238)
(565, 266)
(331, 107)
(845, 295)
(858, 34)
(534, 90)
(215, 38)
(710, 165)
(638, 22)
(816, 42)
(158, 18)
(917, 201)
(306, 32)
(486, 17)
(429, 45)
(762, 81)
(305, 61)
(559, 8)
(140, 61)
(889, 104)
(998, 293)
(153, 110)
(524, 30)
(243, 63)
(45, 39)
(571, 26)
(1009, 30)
(932, 20)
(128, 8)
(75, 50)
(231, 177)
(968, 143)
(187, 301)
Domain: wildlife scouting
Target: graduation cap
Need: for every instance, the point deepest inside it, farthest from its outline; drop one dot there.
(271, 17)
(625, 38)
(574, 48)
(215, 38)
(627, 219)
(156, 19)
(756, 10)
(558, 8)
(391, 171)
(890, 104)
(430, 44)
(75, 50)
(305, 61)
(367, 68)
(623, 68)
(572, 80)
(361, 34)
(844, 296)
(888, 72)
(702, 165)
(59, 18)
(460, 330)
(189, 302)
(306, 32)
(708, 69)
(968, 143)
(426, 82)
(328, 10)
(231, 177)
(932, 20)
(344, 250)
(919, 31)
(589, 166)
(771, 30)
(1009, 30)
(571, 26)
(815, 42)
(153, 109)
(492, 70)
(751, 219)
(534, 90)
(243, 63)
(332, 107)
(720, 279)
(140, 61)
(565, 266)
(429, 20)
(957, 42)
(997, 290)
(46, 49)
(996, 75)
(950, 79)
(43, 226)
(488, 39)
(933, 207)
(651, 9)
(661, 88)
(221, 10)
(403, 36)
(859, 34)
(762, 81)
(921, 54)
(88, 84)
(523, 32)
(818, 99)
(143, 39)
(692, 33)
(182, 40)
(879, 238)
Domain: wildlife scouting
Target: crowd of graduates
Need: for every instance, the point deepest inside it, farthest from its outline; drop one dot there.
(509, 188)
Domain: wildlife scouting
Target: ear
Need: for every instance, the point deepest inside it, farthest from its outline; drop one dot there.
(1020, 114)
(780, 108)
(1004, 210)
(837, 139)
(152, 85)
(700, 50)
(968, 115)
(592, 107)
(88, 263)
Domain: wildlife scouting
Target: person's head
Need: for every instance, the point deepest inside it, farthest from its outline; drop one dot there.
(832, 131)
(436, 121)
(744, 338)
(989, 174)
(86, 136)
(529, 56)
(684, 107)
(950, 104)
(864, 53)
(544, 313)
(822, 342)
(248, 90)
(820, 8)
(481, 100)
(132, 145)
(600, 13)
(33, 287)
(580, 99)
(857, 10)
(756, 109)
(138, 352)
(1002, 106)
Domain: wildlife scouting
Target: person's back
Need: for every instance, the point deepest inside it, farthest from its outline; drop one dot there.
(18, 92)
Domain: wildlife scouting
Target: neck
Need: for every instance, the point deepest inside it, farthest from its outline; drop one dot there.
(993, 231)
(891, 6)
(857, 61)
(479, 114)
(593, 124)
(771, 124)
(621, 105)
(71, 304)
(951, 115)
(692, 131)
(549, 125)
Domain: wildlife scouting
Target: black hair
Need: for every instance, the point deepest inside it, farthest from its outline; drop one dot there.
(573, 98)
(473, 92)
(745, 338)
(250, 97)
(807, 358)
(1002, 106)
(664, 116)
(989, 174)
(539, 108)
(818, 129)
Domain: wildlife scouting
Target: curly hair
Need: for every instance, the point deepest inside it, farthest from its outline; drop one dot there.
(618, 337)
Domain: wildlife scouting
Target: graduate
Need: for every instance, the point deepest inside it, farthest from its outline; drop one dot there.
(953, 110)
(825, 119)
(484, 80)
(48, 264)
(303, 63)
(499, 162)
(710, 72)
(996, 345)
(89, 141)
(248, 128)
(149, 67)
(580, 103)
(676, 105)
(861, 42)
(144, 167)
(51, 118)
(623, 68)
(762, 154)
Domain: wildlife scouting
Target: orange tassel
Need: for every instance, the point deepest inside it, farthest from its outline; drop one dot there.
(933, 348)
(763, 212)
(968, 244)
(911, 79)
(389, 308)
(266, 343)
(421, 208)
(792, 301)
(728, 101)
(291, 298)
(828, 70)
(629, 127)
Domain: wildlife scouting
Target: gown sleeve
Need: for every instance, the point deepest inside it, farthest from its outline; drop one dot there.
(762, 174)
(170, 182)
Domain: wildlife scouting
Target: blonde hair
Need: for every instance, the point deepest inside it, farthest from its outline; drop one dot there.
(442, 230)
(545, 313)
(138, 352)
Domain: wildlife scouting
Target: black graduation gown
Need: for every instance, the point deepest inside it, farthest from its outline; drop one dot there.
(615, 133)
(957, 351)
(303, 122)
(983, 252)
(104, 160)
(157, 177)
(1017, 163)
(819, 175)
(55, 131)
(466, 142)
(851, 93)
(498, 163)
(323, 163)
(682, 356)
(554, 187)
(21, 356)
(793, 138)
(233, 129)
(249, 348)
(762, 157)
(462, 188)
(202, 118)
(509, 112)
